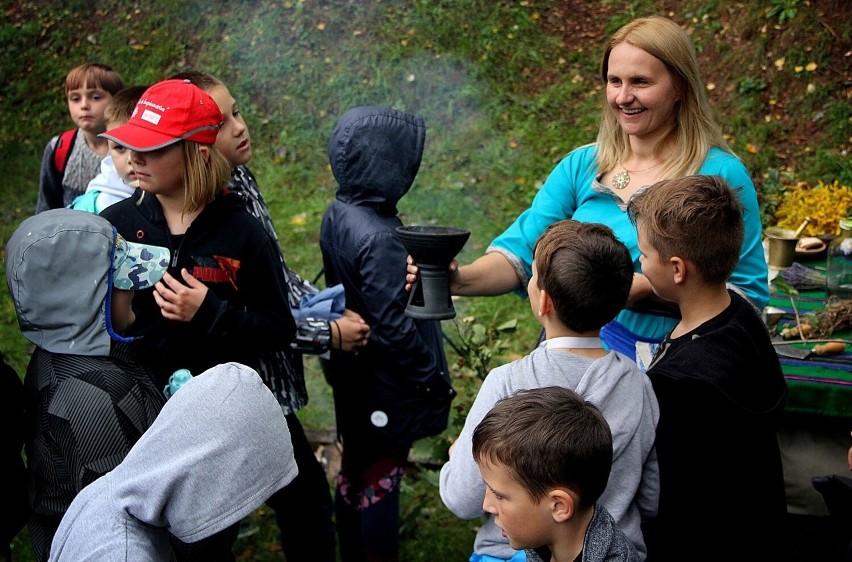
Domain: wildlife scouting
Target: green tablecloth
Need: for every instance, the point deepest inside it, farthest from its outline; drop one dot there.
(817, 386)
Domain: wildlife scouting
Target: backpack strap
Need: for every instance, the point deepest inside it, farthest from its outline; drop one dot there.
(63, 149)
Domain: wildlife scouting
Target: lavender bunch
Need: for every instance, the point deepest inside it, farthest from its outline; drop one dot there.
(803, 278)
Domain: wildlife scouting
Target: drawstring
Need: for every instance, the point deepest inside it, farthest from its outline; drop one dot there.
(108, 305)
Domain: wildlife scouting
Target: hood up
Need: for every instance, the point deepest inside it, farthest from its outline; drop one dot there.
(61, 266)
(375, 153)
(219, 448)
(58, 274)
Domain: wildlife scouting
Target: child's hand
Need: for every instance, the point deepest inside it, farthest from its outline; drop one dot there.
(452, 448)
(349, 332)
(178, 301)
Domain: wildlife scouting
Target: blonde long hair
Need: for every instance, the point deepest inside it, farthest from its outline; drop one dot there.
(695, 130)
(204, 178)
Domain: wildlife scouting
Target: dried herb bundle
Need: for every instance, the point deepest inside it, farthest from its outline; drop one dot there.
(836, 317)
(803, 278)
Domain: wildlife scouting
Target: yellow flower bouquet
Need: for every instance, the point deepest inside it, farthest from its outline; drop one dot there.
(825, 204)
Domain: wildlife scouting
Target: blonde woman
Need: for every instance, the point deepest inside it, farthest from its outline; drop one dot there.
(656, 124)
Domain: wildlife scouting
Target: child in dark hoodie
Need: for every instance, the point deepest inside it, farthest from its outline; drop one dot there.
(396, 389)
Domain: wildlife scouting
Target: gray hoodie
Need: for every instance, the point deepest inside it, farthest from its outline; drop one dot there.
(61, 266)
(625, 397)
(218, 449)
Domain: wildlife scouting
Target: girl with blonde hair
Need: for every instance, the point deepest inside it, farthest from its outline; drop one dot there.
(224, 298)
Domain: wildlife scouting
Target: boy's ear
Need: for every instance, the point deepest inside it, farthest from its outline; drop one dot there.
(563, 503)
(545, 305)
(678, 267)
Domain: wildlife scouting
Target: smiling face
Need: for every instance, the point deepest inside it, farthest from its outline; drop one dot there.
(233, 139)
(641, 92)
(525, 522)
(86, 106)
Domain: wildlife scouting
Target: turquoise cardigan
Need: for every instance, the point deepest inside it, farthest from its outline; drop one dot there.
(572, 192)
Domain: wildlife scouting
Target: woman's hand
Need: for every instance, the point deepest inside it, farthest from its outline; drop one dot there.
(413, 274)
(349, 332)
(178, 301)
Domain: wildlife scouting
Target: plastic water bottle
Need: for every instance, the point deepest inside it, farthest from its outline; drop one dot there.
(177, 380)
(839, 264)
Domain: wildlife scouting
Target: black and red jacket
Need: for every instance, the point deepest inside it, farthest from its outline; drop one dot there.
(246, 309)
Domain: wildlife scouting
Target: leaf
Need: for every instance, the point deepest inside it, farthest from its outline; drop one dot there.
(783, 285)
(508, 325)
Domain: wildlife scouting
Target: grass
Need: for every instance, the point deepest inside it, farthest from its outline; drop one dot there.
(507, 88)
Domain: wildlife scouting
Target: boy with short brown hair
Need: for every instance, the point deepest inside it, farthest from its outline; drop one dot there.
(73, 158)
(581, 278)
(717, 379)
(545, 455)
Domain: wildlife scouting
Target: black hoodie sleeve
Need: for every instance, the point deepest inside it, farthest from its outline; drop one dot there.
(381, 264)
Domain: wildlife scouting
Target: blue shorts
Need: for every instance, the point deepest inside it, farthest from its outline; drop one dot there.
(616, 337)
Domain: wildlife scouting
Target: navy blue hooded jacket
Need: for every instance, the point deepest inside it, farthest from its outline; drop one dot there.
(375, 153)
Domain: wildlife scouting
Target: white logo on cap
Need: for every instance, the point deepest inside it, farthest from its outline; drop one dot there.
(150, 116)
(379, 418)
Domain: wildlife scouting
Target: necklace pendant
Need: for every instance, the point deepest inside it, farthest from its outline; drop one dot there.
(620, 180)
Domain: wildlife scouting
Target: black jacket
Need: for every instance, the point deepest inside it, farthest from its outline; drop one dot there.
(375, 153)
(245, 310)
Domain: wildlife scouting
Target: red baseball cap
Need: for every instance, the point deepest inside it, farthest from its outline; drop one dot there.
(168, 112)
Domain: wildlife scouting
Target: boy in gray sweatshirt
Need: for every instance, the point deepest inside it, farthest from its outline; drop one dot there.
(581, 279)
